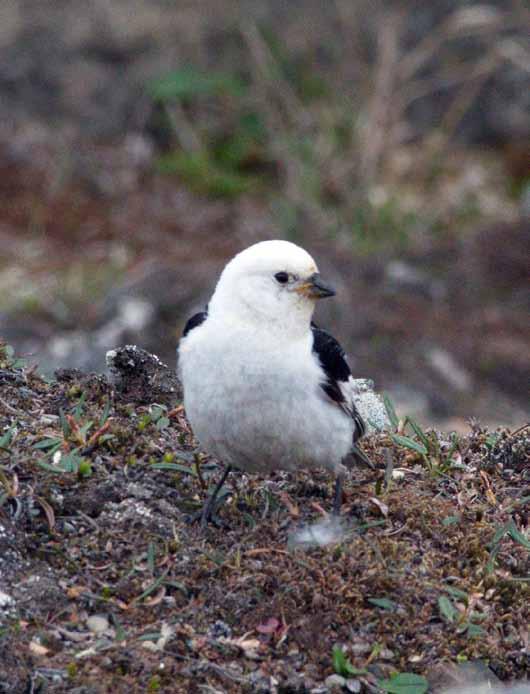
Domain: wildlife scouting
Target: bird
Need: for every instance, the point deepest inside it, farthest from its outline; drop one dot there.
(264, 387)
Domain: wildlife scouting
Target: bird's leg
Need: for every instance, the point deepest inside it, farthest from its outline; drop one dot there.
(337, 499)
(209, 507)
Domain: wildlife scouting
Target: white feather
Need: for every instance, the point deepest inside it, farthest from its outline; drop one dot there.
(252, 385)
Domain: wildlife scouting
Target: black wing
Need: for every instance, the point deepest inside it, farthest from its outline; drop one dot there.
(333, 360)
(194, 321)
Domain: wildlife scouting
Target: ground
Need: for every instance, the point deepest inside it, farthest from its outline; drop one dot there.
(105, 585)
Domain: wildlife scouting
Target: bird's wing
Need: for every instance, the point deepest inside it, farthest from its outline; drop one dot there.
(338, 380)
(195, 321)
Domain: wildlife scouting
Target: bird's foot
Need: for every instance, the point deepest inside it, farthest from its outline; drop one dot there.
(206, 519)
(208, 514)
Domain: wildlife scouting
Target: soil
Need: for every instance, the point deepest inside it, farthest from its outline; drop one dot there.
(106, 585)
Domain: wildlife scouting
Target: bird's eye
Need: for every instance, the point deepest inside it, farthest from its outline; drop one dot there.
(282, 277)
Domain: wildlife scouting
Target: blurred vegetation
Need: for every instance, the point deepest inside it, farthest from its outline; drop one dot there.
(279, 126)
(236, 152)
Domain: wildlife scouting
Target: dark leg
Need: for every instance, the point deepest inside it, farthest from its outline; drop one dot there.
(337, 501)
(209, 507)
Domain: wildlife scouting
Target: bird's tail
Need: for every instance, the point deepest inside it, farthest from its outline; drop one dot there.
(356, 457)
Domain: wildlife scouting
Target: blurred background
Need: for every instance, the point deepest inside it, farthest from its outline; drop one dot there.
(144, 142)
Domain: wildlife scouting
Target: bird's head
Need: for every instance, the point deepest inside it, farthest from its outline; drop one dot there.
(275, 281)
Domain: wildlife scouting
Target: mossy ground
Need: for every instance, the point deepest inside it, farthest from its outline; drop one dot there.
(431, 568)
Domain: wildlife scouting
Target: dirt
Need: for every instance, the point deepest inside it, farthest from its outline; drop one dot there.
(110, 587)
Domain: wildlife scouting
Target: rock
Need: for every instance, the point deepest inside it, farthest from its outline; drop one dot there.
(334, 682)
(141, 377)
(7, 606)
(220, 629)
(98, 624)
(370, 405)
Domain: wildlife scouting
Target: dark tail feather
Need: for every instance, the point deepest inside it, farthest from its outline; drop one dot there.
(356, 457)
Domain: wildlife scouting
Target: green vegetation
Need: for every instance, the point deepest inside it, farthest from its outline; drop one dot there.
(282, 128)
(404, 683)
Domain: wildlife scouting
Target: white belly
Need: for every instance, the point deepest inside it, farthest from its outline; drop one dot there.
(260, 412)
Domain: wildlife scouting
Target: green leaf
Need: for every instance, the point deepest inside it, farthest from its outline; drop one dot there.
(152, 587)
(457, 593)
(163, 423)
(499, 534)
(450, 520)
(175, 467)
(177, 585)
(384, 604)
(64, 423)
(85, 428)
(189, 82)
(342, 665)
(474, 630)
(409, 443)
(121, 635)
(70, 462)
(390, 410)
(78, 409)
(157, 411)
(517, 535)
(47, 443)
(419, 432)
(84, 468)
(51, 468)
(404, 683)
(150, 636)
(5, 439)
(105, 414)
(491, 440)
(447, 609)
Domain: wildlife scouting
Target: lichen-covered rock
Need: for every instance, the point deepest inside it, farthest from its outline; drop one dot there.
(370, 405)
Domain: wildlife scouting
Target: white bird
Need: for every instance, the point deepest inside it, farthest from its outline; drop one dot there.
(264, 387)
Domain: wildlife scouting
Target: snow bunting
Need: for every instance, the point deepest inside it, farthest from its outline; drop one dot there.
(264, 387)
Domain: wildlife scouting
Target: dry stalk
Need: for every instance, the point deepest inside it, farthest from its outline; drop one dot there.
(380, 120)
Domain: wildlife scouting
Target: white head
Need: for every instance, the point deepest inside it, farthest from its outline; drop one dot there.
(272, 283)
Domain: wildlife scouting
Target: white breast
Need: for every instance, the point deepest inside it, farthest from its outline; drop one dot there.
(257, 405)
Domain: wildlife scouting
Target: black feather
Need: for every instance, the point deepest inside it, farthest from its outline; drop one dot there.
(333, 360)
(195, 321)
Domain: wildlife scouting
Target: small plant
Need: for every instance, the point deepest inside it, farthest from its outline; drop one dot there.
(465, 620)
(157, 415)
(508, 529)
(9, 487)
(6, 439)
(67, 450)
(425, 444)
(342, 664)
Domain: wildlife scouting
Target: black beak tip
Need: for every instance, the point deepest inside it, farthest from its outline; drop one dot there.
(321, 288)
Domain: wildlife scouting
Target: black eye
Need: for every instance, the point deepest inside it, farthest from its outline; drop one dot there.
(282, 277)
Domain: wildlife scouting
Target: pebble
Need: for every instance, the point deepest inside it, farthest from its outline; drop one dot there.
(335, 682)
(97, 624)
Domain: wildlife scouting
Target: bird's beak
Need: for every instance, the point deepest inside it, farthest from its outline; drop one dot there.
(315, 288)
